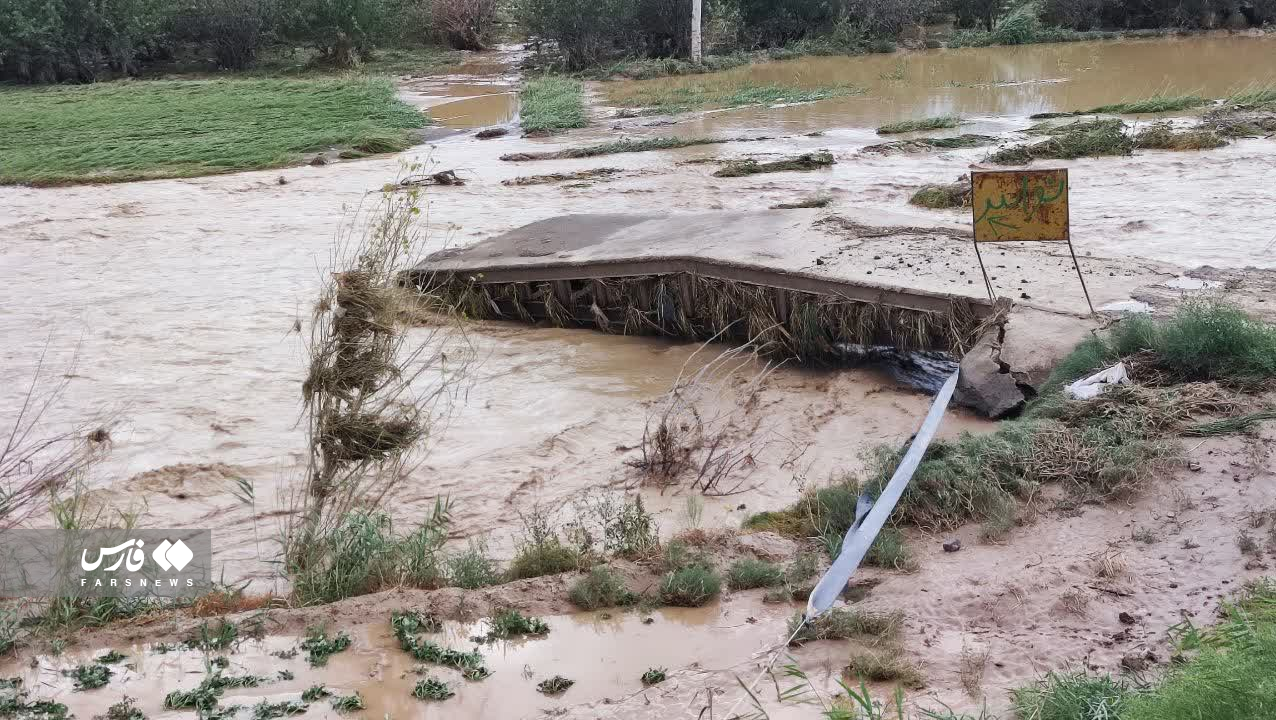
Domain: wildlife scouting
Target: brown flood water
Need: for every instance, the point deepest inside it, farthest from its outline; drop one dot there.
(605, 653)
(987, 82)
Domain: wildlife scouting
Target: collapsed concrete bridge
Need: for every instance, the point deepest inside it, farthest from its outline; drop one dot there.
(772, 278)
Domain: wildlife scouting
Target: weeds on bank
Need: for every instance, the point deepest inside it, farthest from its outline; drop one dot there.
(15, 703)
(550, 103)
(1155, 104)
(750, 573)
(473, 568)
(939, 122)
(1071, 696)
(601, 588)
(690, 586)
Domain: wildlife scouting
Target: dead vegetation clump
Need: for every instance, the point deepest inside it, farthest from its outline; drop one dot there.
(847, 623)
(369, 403)
(749, 166)
(808, 326)
(1163, 136)
(692, 435)
(938, 197)
(927, 144)
(971, 668)
(593, 174)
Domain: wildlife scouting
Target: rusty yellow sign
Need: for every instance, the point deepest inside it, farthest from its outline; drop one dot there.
(1020, 205)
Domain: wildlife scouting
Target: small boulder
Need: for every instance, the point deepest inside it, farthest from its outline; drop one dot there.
(952, 545)
(983, 385)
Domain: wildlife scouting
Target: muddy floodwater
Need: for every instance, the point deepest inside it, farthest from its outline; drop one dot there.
(1005, 81)
(171, 309)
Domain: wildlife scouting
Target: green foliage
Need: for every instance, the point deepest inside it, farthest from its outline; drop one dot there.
(406, 626)
(90, 677)
(411, 622)
(1021, 26)
(116, 132)
(1072, 696)
(111, 657)
(601, 588)
(319, 647)
(938, 122)
(432, 688)
(555, 685)
(213, 638)
(1073, 141)
(1205, 340)
(550, 103)
(125, 709)
(1155, 104)
(889, 550)
(749, 573)
(938, 197)
(347, 703)
(58, 40)
(654, 676)
(315, 692)
(473, 568)
(511, 623)
(630, 531)
(14, 703)
(269, 711)
(883, 664)
(341, 30)
(690, 586)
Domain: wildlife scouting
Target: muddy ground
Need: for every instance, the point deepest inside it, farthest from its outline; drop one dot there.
(170, 305)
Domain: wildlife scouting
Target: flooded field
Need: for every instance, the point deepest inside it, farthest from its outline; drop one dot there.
(992, 82)
(172, 308)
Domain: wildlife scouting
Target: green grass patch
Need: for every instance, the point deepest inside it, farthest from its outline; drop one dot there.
(1071, 142)
(1154, 104)
(319, 647)
(315, 693)
(1071, 696)
(1254, 95)
(122, 131)
(690, 586)
(601, 588)
(938, 122)
(551, 103)
(473, 568)
(663, 97)
(805, 161)
(750, 573)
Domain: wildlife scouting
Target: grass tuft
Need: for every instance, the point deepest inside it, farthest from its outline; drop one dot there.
(939, 122)
(473, 568)
(551, 103)
(1070, 142)
(319, 647)
(601, 588)
(545, 558)
(886, 664)
(555, 685)
(849, 623)
(124, 131)
(750, 573)
(1163, 136)
(1071, 696)
(432, 688)
(690, 586)
(1155, 104)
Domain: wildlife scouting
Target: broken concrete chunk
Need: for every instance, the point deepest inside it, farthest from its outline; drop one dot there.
(983, 383)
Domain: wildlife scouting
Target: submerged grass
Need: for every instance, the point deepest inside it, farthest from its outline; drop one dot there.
(1155, 104)
(1163, 136)
(805, 161)
(1070, 142)
(620, 146)
(678, 95)
(114, 132)
(939, 122)
(550, 103)
(938, 197)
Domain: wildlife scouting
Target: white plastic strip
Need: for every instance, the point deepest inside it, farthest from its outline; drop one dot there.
(861, 535)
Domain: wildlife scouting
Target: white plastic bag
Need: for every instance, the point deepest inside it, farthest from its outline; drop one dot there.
(1098, 383)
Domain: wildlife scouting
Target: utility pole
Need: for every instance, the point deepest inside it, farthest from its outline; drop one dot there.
(695, 31)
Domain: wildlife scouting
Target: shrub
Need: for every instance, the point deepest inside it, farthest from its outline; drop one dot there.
(341, 30)
(690, 586)
(749, 573)
(465, 24)
(473, 568)
(601, 588)
(59, 40)
(585, 31)
(233, 30)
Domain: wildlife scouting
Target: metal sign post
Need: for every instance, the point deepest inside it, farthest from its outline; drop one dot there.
(1022, 205)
